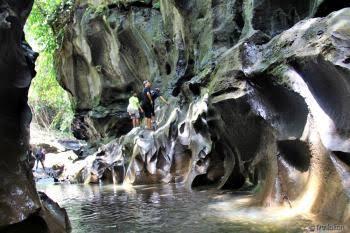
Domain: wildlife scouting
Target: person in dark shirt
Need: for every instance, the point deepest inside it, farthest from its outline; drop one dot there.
(40, 157)
(147, 103)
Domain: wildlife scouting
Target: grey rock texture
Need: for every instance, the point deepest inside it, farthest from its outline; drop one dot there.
(110, 48)
(276, 83)
(259, 94)
(20, 205)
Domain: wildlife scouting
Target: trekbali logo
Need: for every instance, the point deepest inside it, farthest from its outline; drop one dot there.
(326, 228)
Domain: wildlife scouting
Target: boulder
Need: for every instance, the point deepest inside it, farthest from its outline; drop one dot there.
(20, 204)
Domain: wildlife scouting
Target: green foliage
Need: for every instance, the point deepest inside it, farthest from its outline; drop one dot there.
(50, 103)
(101, 9)
(156, 5)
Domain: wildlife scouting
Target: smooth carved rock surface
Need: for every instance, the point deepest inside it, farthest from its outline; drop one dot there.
(110, 48)
(295, 83)
(259, 94)
(22, 210)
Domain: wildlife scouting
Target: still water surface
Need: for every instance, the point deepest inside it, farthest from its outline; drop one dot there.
(108, 208)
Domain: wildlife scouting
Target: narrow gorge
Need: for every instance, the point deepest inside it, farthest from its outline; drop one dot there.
(259, 94)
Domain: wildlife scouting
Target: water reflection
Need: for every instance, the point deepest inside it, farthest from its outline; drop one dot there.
(98, 208)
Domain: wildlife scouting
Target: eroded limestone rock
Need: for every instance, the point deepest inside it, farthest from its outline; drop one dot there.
(261, 93)
(20, 205)
(110, 48)
(280, 91)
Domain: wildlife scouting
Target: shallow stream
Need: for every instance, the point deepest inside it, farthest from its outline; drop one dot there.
(169, 208)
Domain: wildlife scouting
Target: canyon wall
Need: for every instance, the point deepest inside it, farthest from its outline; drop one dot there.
(22, 208)
(259, 94)
(110, 47)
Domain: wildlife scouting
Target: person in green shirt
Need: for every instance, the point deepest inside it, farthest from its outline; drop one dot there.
(133, 109)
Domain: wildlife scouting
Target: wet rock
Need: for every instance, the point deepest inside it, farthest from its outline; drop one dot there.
(56, 217)
(280, 92)
(109, 165)
(50, 218)
(173, 44)
(261, 93)
(20, 205)
(158, 157)
(70, 144)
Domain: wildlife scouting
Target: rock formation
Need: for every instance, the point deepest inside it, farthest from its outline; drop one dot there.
(110, 48)
(22, 209)
(259, 101)
(259, 93)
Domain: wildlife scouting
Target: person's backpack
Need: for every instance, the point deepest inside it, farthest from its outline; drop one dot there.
(155, 94)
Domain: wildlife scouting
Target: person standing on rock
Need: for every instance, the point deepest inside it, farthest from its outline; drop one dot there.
(40, 157)
(147, 103)
(134, 109)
